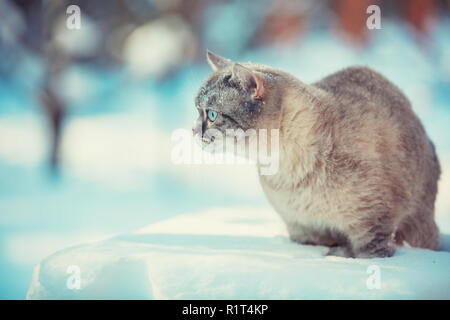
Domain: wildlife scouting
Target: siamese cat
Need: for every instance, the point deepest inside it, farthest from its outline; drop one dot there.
(356, 169)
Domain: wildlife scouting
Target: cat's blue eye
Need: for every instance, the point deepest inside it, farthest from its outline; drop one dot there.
(212, 115)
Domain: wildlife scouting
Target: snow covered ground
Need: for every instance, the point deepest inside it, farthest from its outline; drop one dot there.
(233, 253)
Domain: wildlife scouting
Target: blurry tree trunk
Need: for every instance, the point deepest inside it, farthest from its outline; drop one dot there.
(55, 111)
(56, 62)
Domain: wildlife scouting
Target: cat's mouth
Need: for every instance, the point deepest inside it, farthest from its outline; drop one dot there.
(207, 141)
(204, 140)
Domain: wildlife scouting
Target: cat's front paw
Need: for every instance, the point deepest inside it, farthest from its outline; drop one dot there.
(380, 252)
(300, 239)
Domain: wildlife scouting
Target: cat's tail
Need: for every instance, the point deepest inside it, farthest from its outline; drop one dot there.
(437, 166)
(419, 229)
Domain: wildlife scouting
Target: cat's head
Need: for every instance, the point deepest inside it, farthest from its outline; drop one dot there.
(231, 98)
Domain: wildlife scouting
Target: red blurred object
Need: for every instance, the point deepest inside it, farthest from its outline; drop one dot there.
(418, 14)
(352, 18)
(284, 23)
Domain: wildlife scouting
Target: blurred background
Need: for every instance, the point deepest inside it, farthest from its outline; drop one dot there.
(86, 115)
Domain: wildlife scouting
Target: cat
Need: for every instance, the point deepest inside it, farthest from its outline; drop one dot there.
(356, 169)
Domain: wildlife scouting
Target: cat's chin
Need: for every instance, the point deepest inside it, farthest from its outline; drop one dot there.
(208, 145)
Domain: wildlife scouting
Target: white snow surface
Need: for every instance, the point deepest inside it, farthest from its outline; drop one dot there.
(234, 253)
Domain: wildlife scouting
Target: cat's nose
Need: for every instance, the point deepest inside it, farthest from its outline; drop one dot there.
(197, 128)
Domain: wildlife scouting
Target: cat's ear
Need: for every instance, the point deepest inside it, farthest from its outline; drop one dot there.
(249, 80)
(216, 62)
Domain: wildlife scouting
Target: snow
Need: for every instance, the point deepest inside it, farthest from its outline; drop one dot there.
(234, 253)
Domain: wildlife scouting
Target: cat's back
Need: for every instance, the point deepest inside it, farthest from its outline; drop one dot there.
(360, 87)
(368, 105)
(374, 121)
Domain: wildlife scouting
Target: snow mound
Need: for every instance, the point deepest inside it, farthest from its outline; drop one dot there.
(233, 253)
